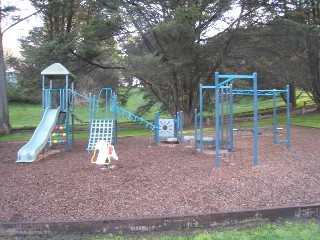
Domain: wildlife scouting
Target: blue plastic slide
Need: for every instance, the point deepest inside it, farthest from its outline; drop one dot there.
(40, 137)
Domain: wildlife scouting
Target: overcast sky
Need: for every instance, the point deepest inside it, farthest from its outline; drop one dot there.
(11, 36)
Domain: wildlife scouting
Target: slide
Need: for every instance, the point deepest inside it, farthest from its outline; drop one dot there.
(40, 137)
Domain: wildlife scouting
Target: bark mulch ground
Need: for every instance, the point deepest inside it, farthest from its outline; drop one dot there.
(159, 181)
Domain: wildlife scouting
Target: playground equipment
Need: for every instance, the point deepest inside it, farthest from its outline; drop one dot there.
(56, 104)
(58, 117)
(224, 92)
(106, 151)
(169, 130)
(40, 137)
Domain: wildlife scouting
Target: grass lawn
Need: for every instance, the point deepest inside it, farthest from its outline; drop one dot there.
(29, 115)
(250, 231)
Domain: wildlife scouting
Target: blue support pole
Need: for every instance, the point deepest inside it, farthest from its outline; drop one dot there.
(288, 117)
(90, 107)
(72, 106)
(44, 95)
(106, 103)
(216, 78)
(195, 128)
(156, 132)
(201, 120)
(231, 118)
(274, 118)
(222, 115)
(61, 98)
(115, 122)
(181, 127)
(255, 117)
(50, 95)
(67, 127)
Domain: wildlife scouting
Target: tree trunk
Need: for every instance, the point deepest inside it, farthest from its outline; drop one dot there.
(293, 96)
(313, 57)
(4, 112)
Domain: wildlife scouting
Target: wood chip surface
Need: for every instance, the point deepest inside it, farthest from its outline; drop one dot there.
(160, 181)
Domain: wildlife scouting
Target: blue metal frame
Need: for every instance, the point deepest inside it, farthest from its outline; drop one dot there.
(196, 128)
(156, 132)
(227, 84)
(66, 101)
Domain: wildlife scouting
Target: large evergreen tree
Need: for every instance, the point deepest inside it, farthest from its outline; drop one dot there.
(174, 49)
(284, 46)
(78, 34)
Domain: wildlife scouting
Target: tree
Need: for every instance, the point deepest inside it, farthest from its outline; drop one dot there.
(172, 53)
(78, 34)
(294, 26)
(4, 112)
(5, 12)
(304, 19)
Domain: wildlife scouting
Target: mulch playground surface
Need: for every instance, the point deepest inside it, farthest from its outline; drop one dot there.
(159, 181)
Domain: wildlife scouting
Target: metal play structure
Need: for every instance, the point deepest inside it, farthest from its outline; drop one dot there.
(58, 117)
(169, 129)
(223, 90)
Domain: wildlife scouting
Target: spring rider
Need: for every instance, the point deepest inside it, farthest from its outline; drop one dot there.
(106, 151)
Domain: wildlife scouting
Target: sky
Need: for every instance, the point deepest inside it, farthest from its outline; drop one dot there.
(10, 40)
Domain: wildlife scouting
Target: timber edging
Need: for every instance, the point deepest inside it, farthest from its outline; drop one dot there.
(134, 225)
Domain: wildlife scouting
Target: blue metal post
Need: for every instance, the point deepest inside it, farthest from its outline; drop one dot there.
(90, 107)
(50, 95)
(61, 97)
(47, 99)
(222, 116)
(274, 118)
(181, 127)
(67, 113)
(44, 95)
(72, 105)
(106, 102)
(156, 132)
(288, 118)
(115, 122)
(195, 128)
(231, 117)
(255, 117)
(216, 78)
(201, 120)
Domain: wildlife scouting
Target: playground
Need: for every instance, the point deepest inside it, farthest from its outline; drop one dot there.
(56, 177)
(159, 181)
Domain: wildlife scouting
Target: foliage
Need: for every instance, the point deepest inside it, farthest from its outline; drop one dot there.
(170, 54)
(282, 46)
(170, 47)
(78, 34)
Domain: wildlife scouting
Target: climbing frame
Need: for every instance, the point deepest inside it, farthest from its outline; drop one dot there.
(101, 129)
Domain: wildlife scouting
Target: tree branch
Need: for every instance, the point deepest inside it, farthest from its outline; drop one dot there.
(93, 63)
(21, 20)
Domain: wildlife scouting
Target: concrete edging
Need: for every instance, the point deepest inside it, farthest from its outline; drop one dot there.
(134, 225)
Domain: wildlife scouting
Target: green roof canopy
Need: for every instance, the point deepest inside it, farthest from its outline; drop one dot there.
(57, 70)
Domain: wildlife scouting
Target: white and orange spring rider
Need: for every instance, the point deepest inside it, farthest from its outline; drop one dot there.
(106, 151)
